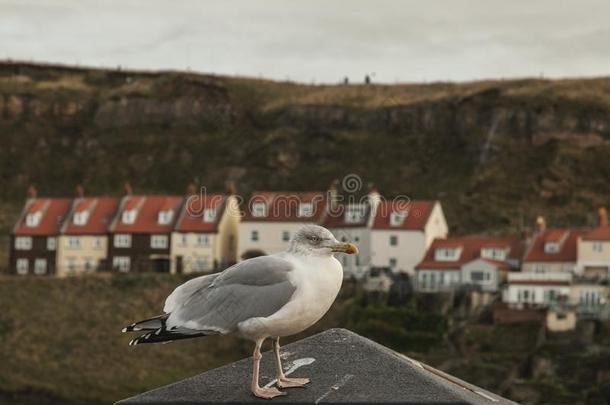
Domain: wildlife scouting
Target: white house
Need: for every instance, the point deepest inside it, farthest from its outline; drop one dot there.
(478, 261)
(537, 289)
(271, 218)
(353, 222)
(402, 232)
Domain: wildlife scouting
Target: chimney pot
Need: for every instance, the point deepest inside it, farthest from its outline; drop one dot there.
(191, 189)
(230, 187)
(32, 191)
(540, 224)
(602, 217)
(128, 189)
(80, 191)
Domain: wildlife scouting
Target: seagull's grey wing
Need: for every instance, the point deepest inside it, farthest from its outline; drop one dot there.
(257, 287)
(184, 291)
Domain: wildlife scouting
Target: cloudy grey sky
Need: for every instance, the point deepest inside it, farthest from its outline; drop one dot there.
(317, 40)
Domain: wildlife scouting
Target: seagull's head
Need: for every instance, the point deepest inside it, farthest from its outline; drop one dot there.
(317, 240)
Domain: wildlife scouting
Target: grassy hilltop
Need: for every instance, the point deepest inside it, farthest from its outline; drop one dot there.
(497, 153)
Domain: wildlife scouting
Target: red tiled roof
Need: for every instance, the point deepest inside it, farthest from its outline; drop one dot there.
(418, 213)
(471, 250)
(599, 233)
(101, 213)
(191, 217)
(53, 211)
(148, 208)
(567, 247)
(283, 206)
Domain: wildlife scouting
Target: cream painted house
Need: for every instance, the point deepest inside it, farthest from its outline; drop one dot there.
(205, 235)
(593, 259)
(401, 235)
(82, 245)
(271, 219)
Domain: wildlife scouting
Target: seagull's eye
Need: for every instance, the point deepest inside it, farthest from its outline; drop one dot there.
(314, 239)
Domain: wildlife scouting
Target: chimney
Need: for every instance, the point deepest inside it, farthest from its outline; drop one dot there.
(191, 189)
(32, 192)
(540, 224)
(128, 189)
(602, 217)
(333, 195)
(230, 187)
(80, 191)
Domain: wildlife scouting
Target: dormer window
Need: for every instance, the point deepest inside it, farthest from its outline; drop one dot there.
(165, 217)
(209, 215)
(33, 219)
(447, 254)
(305, 209)
(80, 218)
(354, 214)
(494, 253)
(397, 218)
(259, 209)
(551, 247)
(129, 216)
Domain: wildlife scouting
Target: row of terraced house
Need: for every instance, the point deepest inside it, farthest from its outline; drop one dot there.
(203, 233)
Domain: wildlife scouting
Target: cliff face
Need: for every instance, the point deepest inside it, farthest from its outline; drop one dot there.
(496, 153)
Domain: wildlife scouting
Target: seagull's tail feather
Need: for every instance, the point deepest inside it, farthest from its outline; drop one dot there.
(147, 324)
(163, 335)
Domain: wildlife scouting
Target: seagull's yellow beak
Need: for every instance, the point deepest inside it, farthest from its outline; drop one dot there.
(348, 248)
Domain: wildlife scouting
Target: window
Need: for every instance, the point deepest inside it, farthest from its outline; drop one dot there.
(23, 242)
(494, 253)
(392, 262)
(71, 265)
(51, 243)
(393, 240)
(259, 209)
(40, 266)
(397, 218)
(129, 216)
(80, 218)
(73, 242)
(183, 239)
(209, 215)
(165, 217)
(203, 239)
(285, 236)
(551, 247)
(597, 246)
(122, 240)
(479, 276)
(354, 214)
(158, 241)
(121, 263)
(424, 280)
(254, 236)
(33, 219)
(97, 244)
(22, 266)
(539, 268)
(446, 254)
(200, 264)
(305, 209)
(87, 264)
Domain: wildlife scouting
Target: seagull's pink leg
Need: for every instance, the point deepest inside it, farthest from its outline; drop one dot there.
(266, 393)
(282, 380)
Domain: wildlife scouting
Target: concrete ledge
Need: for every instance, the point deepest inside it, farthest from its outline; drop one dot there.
(343, 366)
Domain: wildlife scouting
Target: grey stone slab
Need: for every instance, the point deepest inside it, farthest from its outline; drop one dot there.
(344, 368)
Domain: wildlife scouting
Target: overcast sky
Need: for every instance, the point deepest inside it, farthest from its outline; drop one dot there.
(320, 41)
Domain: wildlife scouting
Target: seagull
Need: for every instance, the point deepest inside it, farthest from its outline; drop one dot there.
(263, 297)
